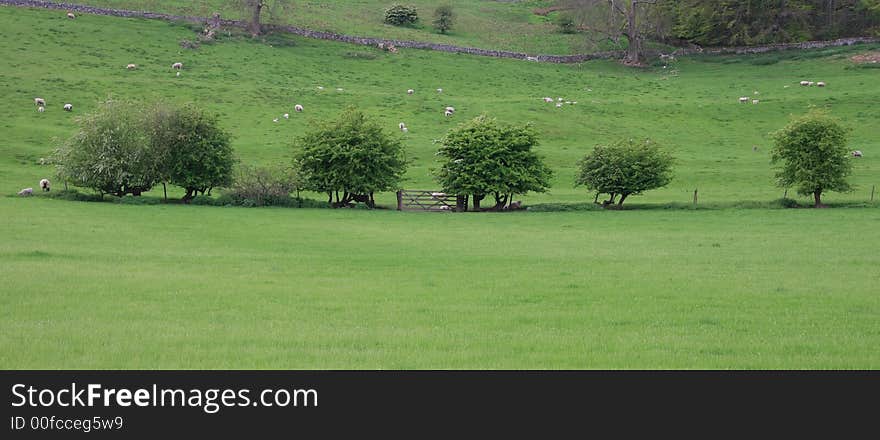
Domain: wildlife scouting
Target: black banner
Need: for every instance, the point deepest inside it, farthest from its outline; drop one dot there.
(416, 404)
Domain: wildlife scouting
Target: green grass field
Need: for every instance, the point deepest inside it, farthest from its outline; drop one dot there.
(101, 285)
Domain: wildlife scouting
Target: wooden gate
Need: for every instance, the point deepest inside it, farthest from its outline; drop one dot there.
(417, 200)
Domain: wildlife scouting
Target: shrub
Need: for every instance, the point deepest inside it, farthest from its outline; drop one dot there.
(625, 168)
(401, 15)
(566, 24)
(443, 18)
(264, 187)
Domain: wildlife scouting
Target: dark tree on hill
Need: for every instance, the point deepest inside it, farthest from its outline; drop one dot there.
(482, 157)
(813, 156)
(254, 10)
(624, 169)
(351, 155)
(613, 19)
(443, 18)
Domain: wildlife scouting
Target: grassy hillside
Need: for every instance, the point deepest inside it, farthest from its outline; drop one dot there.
(692, 108)
(489, 24)
(91, 285)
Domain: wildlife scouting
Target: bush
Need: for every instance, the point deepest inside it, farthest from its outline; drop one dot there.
(443, 18)
(111, 153)
(264, 187)
(400, 15)
(625, 168)
(566, 24)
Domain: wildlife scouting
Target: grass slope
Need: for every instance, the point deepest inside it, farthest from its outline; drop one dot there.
(88, 285)
(502, 25)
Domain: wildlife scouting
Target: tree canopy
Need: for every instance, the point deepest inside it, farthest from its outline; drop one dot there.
(482, 157)
(625, 168)
(351, 154)
(811, 155)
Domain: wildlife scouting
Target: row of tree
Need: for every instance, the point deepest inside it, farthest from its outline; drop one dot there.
(125, 148)
(720, 22)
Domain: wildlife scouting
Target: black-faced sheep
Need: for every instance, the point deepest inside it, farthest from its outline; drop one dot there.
(45, 185)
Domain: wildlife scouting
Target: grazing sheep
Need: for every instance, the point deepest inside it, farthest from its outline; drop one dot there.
(339, 89)
(68, 107)
(548, 99)
(405, 130)
(559, 99)
(744, 99)
(857, 153)
(70, 15)
(40, 102)
(755, 101)
(448, 113)
(439, 90)
(298, 108)
(178, 73)
(820, 84)
(177, 66)
(410, 92)
(805, 83)
(401, 125)
(811, 83)
(756, 93)
(27, 192)
(45, 185)
(275, 120)
(286, 115)
(558, 105)
(131, 66)
(41, 109)
(450, 109)
(320, 87)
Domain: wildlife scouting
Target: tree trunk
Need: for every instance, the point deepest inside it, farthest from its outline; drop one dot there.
(165, 190)
(190, 194)
(254, 26)
(477, 199)
(634, 48)
(817, 196)
(622, 198)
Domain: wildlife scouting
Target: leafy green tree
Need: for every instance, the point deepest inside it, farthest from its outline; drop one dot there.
(443, 18)
(812, 155)
(352, 155)
(111, 153)
(401, 15)
(625, 168)
(195, 152)
(482, 157)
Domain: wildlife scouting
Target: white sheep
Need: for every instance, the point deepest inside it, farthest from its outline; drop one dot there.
(548, 99)
(558, 105)
(820, 84)
(405, 130)
(68, 107)
(410, 92)
(70, 15)
(178, 73)
(439, 90)
(857, 153)
(320, 87)
(339, 89)
(755, 101)
(805, 83)
(41, 109)
(27, 192)
(447, 113)
(45, 185)
(744, 99)
(275, 120)
(40, 102)
(401, 125)
(286, 116)
(811, 83)
(559, 99)
(177, 66)
(131, 66)
(450, 109)
(298, 108)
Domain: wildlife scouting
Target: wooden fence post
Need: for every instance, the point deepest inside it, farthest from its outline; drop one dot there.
(400, 200)
(873, 187)
(695, 197)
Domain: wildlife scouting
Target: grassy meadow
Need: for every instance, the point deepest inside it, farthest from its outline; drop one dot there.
(102, 285)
